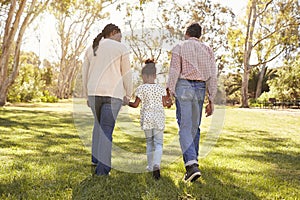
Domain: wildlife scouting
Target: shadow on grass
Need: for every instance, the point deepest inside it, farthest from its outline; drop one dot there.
(215, 183)
(120, 185)
(41, 157)
(127, 186)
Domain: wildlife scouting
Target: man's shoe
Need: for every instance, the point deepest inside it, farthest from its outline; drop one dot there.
(192, 173)
(156, 172)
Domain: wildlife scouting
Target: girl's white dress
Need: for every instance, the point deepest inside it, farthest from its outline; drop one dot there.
(152, 111)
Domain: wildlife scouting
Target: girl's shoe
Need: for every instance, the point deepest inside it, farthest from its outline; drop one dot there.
(156, 172)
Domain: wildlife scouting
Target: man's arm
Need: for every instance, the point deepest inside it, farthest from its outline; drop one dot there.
(175, 68)
(212, 86)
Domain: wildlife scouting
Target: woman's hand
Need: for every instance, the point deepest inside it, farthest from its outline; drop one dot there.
(125, 101)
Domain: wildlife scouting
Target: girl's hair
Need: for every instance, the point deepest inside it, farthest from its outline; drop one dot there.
(149, 68)
(108, 29)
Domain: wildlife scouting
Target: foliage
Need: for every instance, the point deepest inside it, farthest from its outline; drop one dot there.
(253, 80)
(74, 20)
(43, 157)
(18, 16)
(31, 84)
(286, 84)
(28, 85)
(48, 98)
(213, 17)
(266, 34)
(232, 86)
(265, 96)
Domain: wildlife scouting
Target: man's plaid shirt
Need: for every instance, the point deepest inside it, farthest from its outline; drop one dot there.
(193, 60)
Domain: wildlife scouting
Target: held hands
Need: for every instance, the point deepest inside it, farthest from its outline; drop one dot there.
(168, 99)
(126, 101)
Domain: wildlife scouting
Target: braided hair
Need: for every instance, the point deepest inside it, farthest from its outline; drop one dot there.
(149, 68)
(108, 29)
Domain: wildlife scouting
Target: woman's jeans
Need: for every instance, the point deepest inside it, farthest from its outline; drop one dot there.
(105, 111)
(189, 102)
(154, 147)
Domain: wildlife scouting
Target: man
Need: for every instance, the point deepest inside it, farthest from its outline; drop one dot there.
(192, 69)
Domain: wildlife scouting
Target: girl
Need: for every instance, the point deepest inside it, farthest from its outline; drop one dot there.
(153, 98)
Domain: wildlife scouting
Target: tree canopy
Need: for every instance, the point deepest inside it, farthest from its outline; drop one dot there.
(248, 48)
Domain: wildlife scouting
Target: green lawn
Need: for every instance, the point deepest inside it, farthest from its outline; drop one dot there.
(45, 154)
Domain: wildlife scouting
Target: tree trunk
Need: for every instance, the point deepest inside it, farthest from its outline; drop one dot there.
(247, 53)
(11, 28)
(245, 84)
(3, 96)
(7, 77)
(260, 81)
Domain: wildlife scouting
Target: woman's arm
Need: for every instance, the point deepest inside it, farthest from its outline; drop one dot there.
(136, 103)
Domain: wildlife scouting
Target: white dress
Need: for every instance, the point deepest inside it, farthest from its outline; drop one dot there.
(152, 112)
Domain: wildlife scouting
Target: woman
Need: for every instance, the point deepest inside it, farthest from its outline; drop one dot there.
(107, 79)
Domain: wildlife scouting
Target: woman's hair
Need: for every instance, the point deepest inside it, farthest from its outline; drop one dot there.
(149, 68)
(194, 30)
(108, 29)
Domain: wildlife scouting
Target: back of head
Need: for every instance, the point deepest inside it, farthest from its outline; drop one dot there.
(110, 28)
(149, 68)
(106, 32)
(194, 30)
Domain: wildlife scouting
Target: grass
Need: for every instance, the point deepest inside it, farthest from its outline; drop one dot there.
(45, 154)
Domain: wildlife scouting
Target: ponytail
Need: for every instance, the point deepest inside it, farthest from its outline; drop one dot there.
(96, 43)
(108, 29)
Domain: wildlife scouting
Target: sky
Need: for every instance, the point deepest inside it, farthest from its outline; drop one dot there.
(41, 39)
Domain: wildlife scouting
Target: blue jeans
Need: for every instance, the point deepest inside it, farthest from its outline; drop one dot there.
(189, 103)
(154, 148)
(105, 111)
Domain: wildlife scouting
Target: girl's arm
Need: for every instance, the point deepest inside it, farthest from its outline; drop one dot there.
(136, 103)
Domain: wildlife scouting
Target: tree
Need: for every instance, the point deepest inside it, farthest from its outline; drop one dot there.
(19, 15)
(214, 19)
(270, 30)
(28, 85)
(146, 36)
(74, 20)
(286, 84)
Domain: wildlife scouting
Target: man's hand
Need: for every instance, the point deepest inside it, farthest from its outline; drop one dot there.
(209, 109)
(169, 99)
(169, 102)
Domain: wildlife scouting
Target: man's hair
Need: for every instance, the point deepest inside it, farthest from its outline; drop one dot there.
(194, 30)
(149, 68)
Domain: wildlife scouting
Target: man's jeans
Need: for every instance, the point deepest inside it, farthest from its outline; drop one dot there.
(105, 110)
(189, 102)
(154, 148)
